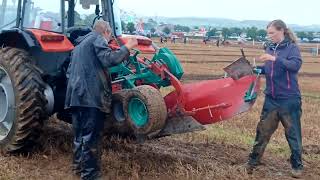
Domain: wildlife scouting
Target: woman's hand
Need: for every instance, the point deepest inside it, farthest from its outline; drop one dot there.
(267, 57)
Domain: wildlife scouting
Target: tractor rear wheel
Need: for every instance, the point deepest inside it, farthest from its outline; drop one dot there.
(22, 101)
(145, 111)
(118, 121)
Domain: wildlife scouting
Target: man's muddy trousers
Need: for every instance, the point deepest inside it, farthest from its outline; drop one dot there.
(88, 124)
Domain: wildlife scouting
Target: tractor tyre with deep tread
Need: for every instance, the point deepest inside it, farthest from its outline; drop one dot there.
(28, 101)
(117, 119)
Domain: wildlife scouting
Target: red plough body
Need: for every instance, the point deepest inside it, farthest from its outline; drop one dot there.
(212, 101)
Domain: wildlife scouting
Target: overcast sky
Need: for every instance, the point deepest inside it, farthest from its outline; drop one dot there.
(303, 12)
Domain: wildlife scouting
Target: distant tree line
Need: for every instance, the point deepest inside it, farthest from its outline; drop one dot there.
(305, 35)
(252, 33)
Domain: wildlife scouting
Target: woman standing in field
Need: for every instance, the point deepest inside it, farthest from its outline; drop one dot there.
(282, 62)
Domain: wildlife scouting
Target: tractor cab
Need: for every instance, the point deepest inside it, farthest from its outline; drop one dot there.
(72, 18)
(48, 20)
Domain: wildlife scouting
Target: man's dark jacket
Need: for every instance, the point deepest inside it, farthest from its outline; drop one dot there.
(88, 82)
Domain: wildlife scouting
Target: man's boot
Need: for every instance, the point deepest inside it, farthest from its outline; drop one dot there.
(296, 173)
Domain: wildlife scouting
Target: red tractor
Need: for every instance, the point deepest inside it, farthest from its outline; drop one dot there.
(37, 38)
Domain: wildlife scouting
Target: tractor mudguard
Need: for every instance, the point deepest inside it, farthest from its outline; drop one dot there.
(144, 43)
(48, 41)
(52, 42)
(17, 38)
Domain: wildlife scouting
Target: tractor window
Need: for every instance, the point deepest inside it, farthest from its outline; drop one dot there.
(84, 17)
(42, 14)
(117, 18)
(8, 13)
